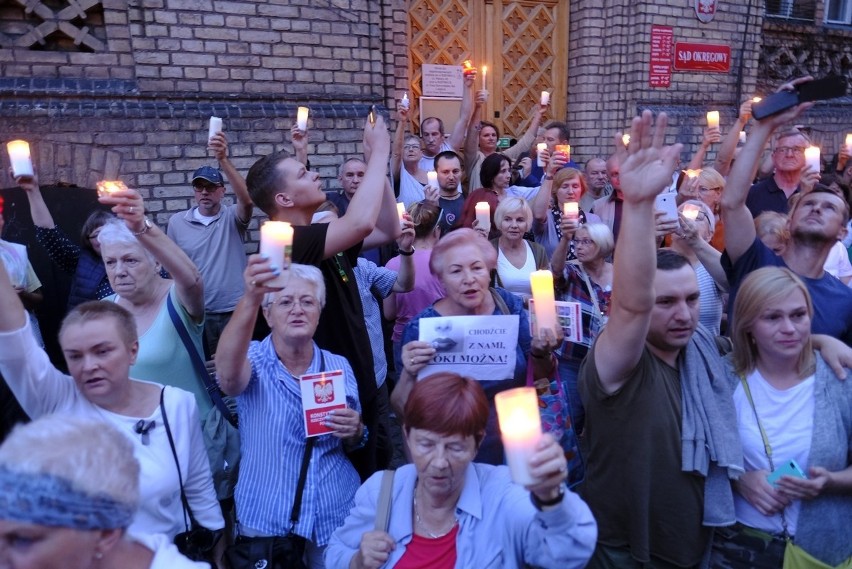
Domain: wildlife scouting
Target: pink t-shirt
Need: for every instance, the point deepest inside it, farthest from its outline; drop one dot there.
(427, 289)
(427, 553)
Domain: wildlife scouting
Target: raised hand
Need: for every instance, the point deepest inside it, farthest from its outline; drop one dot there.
(648, 164)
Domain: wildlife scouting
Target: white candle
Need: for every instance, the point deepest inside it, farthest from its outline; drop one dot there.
(106, 187)
(541, 283)
(432, 176)
(302, 118)
(691, 211)
(756, 100)
(214, 128)
(19, 156)
(400, 210)
(545, 98)
(276, 242)
(849, 143)
(812, 158)
(484, 72)
(713, 119)
(520, 428)
(571, 210)
(540, 147)
(405, 103)
(742, 137)
(483, 215)
(625, 139)
(564, 149)
(692, 173)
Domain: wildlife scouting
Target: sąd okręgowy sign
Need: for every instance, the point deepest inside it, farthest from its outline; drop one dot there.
(706, 57)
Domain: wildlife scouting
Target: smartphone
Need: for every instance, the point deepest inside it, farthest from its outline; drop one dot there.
(789, 468)
(666, 202)
(829, 87)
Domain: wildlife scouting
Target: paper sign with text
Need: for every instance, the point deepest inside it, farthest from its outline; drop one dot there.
(321, 393)
(479, 347)
(568, 316)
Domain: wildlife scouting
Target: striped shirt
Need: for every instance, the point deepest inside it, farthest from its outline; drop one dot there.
(375, 282)
(272, 436)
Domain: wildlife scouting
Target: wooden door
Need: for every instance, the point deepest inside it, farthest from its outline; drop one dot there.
(524, 43)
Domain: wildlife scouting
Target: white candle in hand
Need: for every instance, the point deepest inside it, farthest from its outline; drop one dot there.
(812, 158)
(483, 215)
(432, 177)
(400, 210)
(214, 128)
(625, 140)
(484, 71)
(540, 147)
(691, 211)
(302, 118)
(520, 428)
(405, 103)
(849, 143)
(713, 119)
(106, 187)
(545, 98)
(571, 210)
(742, 137)
(276, 242)
(19, 156)
(541, 283)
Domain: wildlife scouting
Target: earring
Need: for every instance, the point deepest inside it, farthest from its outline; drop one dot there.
(99, 555)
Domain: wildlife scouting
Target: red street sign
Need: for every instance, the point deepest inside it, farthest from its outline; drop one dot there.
(660, 66)
(702, 57)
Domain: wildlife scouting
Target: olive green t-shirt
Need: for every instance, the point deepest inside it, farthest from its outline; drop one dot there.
(634, 484)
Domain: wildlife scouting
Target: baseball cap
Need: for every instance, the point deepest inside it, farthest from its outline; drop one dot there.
(210, 174)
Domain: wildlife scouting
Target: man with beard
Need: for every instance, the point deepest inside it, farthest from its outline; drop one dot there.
(815, 223)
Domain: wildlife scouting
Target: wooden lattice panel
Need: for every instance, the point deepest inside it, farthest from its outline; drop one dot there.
(72, 24)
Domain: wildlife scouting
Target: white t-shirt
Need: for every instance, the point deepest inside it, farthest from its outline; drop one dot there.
(788, 418)
(837, 263)
(515, 280)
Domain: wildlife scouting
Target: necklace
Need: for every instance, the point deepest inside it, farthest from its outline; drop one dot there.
(428, 531)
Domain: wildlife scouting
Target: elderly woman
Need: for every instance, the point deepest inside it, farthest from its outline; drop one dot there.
(587, 281)
(516, 257)
(559, 186)
(100, 344)
(709, 190)
(795, 423)
(265, 379)
(496, 174)
(448, 511)
(407, 151)
(61, 509)
(463, 261)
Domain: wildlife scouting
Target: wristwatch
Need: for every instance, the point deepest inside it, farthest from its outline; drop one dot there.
(407, 253)
(148, 225)
(541, 504)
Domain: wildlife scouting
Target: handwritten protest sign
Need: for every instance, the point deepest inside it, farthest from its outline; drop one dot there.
(479, 347)
(321, 393)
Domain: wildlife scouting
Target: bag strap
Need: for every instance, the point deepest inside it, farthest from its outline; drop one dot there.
(767, 448)
(197, 363)
(186, 509)
(499, 302)
(384, 505)
(589, 286)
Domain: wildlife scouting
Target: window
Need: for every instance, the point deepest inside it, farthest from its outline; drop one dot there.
(793, 9)
(838, 12)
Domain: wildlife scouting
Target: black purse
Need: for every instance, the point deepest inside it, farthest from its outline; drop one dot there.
(275, 552)
(197, 542)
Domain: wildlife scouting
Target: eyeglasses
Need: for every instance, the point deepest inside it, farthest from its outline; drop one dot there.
(209, 188)
(306, 302)
(790, 150)
(583, 242)
(708, 190)
(411, 147)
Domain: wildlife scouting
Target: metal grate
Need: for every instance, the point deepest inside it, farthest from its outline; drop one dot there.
(791, 9)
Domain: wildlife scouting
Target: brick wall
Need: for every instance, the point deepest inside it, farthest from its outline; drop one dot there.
(137, 109)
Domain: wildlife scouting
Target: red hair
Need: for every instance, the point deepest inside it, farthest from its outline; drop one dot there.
(447, 404)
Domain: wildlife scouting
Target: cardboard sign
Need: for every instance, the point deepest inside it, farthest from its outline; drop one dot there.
(660, 66)
(568, 316)
(321, 393)
(479, 347)
(706, 57)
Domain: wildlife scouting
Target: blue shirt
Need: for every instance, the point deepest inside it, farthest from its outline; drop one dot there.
(498, 525)
(831, 298)
(375, 281)
(272, 438)
(765, 195)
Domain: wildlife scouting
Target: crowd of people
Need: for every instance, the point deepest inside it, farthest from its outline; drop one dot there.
(705, 419)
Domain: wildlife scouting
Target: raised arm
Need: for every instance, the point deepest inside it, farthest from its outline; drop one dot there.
(471, 139)
(373, 195)
(402, 119)
(712, 135)
(739, 224)
(541, 202)
(219, 145)
(525, 143)
(645, 169)
(12, 313)
(38, 208)
(233, 368)
(456, 139)
(129, 206)
(725, 155)
(299, 140)
(405, 275)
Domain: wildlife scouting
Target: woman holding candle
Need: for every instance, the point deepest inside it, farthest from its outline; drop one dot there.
(448, 511)
(711, 184)
(790, 407)
(516, 257)
(586, 280)
(463, 260)
(406, 152)
(559, 187)
(264, 377)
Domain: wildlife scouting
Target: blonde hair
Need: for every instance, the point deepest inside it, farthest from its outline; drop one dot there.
(566, 174)
(772, 223)
(511, 205)
(711, 178)
(760, 290)
(601, 235)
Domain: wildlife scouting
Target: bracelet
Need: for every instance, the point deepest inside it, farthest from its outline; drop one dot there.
(539, 504)
(548, 177)
(147, 226)
(407, 253)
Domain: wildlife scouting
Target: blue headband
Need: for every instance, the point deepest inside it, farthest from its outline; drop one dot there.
(48, 500)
